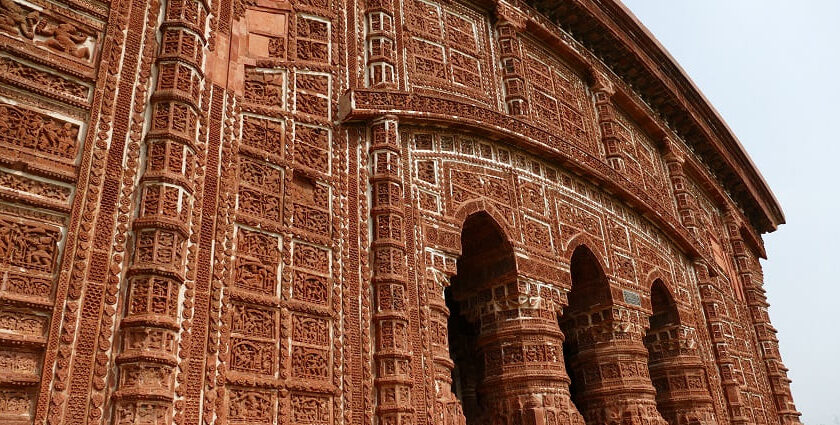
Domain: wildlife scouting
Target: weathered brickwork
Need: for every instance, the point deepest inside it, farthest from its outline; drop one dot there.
(375, 212)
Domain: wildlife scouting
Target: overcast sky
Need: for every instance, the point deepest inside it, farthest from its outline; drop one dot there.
(771, 68)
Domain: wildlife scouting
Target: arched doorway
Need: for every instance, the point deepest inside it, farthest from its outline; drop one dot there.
(590, 293)
(674, 366)
(660, 340)
(604, 349)
(664, 311)
(486, 259)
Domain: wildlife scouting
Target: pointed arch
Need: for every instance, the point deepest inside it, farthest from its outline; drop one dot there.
(593, 245)
(664, 311)
(590, 285)
(475, 206)
(657, 274)
(487, 259)
(486, 251)
(665, 290)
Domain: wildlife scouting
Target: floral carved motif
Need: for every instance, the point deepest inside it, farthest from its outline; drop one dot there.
(39, 80)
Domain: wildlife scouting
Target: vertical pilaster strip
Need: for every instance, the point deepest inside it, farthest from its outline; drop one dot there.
(749, 273)
(366, 304)
(392, 351)
(714, 308)
(685, 203)
(510, 23)
(711, 298)
(611, 136)
(380, 44)
(157, 274)
(87, 328)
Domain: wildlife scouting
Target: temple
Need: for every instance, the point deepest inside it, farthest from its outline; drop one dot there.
(372, 212)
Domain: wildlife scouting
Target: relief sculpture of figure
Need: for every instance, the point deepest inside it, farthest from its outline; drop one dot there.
(55, 139)
(14, 18)
(41, 251)
(65, 38)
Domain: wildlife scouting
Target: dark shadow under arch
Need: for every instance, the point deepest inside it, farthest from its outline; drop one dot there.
(663, 308)
(590, 292)
(660, 339)
(589, 282)
(486, 258)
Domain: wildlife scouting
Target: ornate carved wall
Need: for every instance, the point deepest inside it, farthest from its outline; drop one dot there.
(382, 212)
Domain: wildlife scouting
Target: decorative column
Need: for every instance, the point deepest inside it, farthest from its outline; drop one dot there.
(751, 279)
(685, 201)
(392, 349)
(441, 268)
(678, 374)
(610, 366)
(145, 388)
(525, 381)
(510, 22)
(380, 44)
(714, 307)
(611, 136)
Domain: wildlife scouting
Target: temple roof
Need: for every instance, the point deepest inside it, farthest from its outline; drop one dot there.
(611, 32)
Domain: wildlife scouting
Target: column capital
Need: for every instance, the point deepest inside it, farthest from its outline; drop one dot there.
(508, 14)
(601, 83)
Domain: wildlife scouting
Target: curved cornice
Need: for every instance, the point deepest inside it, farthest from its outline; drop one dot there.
(613, 34)
(365, 105)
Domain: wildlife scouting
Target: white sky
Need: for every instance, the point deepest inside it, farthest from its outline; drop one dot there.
(771, 68)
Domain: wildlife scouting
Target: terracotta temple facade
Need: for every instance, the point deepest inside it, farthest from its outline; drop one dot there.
(372, 212)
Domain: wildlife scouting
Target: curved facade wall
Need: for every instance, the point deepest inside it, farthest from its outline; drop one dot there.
(383, 212)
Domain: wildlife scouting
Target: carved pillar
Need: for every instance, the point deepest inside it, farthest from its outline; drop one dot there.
(685, 202)
(380, 44)
(610, 366)
(678, 374)
(717, 317)
(611, 135)
(393, 353)
(149, 330)
(441, 268)
(749, 273)
(713, 304)
(525, 381)
(508, 26)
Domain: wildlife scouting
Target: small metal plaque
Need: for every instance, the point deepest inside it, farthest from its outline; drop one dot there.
(632, 298)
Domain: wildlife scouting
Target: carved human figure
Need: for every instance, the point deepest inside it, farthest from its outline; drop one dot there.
(41, 252)
(65, 38)
(14, 18)
(7, 236)
(55, 139)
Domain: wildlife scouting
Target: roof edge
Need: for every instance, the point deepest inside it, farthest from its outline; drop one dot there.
(616, 37)
(737, 146)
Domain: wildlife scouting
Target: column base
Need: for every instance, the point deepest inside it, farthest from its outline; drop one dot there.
(623, 412)
(535, 409)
